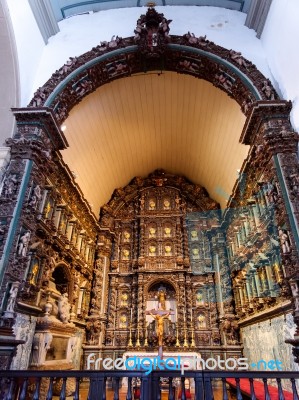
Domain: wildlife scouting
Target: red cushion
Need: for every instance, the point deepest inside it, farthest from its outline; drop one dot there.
(259, 389)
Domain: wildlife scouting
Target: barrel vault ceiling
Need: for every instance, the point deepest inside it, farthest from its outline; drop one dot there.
(134, 125)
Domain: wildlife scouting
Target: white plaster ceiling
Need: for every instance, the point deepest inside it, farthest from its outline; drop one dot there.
(134, 125)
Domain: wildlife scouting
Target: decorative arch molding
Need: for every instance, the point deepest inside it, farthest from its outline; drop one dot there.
(122, 57)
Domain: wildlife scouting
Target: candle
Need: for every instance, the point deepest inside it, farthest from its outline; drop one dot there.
(131, 315)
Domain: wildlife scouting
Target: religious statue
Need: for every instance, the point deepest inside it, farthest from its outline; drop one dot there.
(152, 204)
(162, 298)
(47, 209)
(201, 321)
(123, 321)
(284, 241)
(64, 308)
(127, 236)
(195, 253)
(12, 297)
(194, 235)
(177, 202)
(152, 250)
(160, 326)
(23, 244)
(152, 232)
(166, 204)
(126, 254)
(168, 250)
(34, 274)
(199, 297)
(36, 196)
(124, 299)
(167, 232)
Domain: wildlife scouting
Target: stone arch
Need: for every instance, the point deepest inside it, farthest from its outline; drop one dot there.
(122, 57)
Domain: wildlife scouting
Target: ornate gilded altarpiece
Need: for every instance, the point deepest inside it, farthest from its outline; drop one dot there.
(162, 233)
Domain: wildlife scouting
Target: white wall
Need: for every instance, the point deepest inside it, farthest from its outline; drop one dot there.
(29, 42)
(280, 40)
(80, 33)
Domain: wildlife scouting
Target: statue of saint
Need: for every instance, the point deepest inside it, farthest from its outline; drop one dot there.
(162, 298)
(152, 232)
(167, 232)
(160, 326)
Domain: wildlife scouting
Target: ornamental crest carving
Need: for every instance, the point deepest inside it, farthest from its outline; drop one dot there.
(152, 33)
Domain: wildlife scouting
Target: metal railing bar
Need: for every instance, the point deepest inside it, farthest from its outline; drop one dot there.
(224, 390)
(267, 394)
(239, 394)
(50, 389)
(280, 391)
(252, 392)
(37, 387)
(183, 389)
(63, 389)
(76, 394)
(129, 392)
(170, 390)
(24, 390)
(116, 389)
(294, 389)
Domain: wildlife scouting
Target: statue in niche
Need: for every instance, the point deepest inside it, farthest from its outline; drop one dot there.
(34, 272)
(199, 298)
(195, 253)
(126, 254)
(152, 250)
(194, 235)
(162, 298)
(294, 182)
(152, 232)
(142, 202)
(10, 185)
(166, 204)
(123, 321)
(177, 201)
(267, 89)
(152, 204)
(168, 251)
(272, 193)
(124, 299)
(167, 232)
(36, 196)
(127, 236)
(284, 241)
(201, 321)
(64, 308)
(48, 209)
(23, 244)
(295, 293)
(12, 296)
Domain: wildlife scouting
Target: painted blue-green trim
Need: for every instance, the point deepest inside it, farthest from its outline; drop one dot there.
(287, 201)
(90, 2)
(81, 4)
(15, 217)
(89, 64)
(131, 49)
(220, 60)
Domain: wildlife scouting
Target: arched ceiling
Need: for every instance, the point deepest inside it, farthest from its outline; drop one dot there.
(135, 125)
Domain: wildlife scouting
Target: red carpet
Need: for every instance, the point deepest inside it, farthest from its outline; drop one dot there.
(259, 389)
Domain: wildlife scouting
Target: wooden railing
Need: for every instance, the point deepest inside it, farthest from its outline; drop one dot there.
(35, 385)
